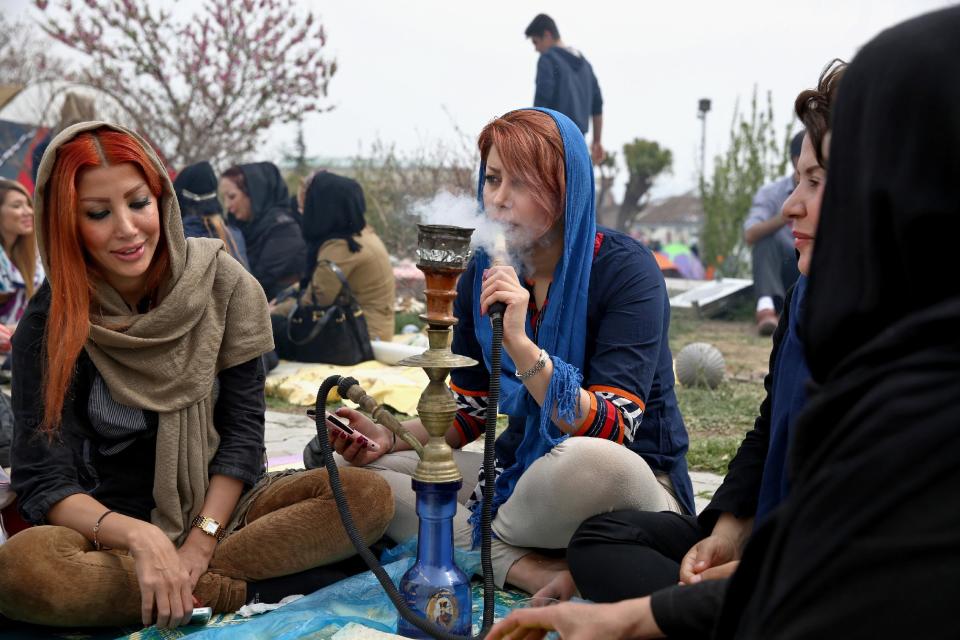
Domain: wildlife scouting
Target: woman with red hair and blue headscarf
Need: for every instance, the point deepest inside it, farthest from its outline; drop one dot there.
(586, 378)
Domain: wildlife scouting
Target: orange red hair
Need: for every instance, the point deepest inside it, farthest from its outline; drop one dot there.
(530, 147)
(71, 273)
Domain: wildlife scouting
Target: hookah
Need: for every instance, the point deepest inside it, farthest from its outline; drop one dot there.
(434, 599)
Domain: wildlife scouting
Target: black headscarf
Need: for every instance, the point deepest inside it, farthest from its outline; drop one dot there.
(196, 189)
(868, 543)
(333, 207)
(269, 199)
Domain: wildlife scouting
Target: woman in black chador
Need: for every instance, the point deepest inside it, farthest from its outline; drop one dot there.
(259, 205)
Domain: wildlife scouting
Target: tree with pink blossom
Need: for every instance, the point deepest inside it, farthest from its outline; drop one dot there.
(205, 88)
(24, 58)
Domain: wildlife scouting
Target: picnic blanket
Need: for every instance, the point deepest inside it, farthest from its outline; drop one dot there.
(358, 600)
(398, 387)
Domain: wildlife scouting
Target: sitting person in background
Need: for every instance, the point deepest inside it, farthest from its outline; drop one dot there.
(138, 397)
(259, 205)
(196, 188)
(772, 251)
(335, 230)
(21, 271)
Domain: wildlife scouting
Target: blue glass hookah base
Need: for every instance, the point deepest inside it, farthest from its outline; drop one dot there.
(435, 587)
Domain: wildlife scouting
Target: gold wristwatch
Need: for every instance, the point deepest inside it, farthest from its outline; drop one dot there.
(210, 527)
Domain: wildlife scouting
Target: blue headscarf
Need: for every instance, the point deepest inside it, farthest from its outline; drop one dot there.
(562, 332)
(789, 397)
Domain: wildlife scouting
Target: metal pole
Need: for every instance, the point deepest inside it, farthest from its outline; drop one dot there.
(703, 109)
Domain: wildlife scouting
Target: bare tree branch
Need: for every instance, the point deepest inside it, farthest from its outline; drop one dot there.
(23, 58)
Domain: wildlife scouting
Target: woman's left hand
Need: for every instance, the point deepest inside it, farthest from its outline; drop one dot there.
(501, 284)
(575, 621)
(196, 553)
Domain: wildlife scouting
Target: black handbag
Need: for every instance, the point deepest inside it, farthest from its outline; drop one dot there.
(332, 334)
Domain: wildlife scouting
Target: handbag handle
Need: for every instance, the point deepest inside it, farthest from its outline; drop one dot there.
(318, 326)
(344, 286)
(314, 331)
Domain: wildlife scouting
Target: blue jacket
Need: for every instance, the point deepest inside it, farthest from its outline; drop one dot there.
(193, 227)
(565, 83)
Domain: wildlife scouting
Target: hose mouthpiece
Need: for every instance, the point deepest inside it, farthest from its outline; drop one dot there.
(499, 257)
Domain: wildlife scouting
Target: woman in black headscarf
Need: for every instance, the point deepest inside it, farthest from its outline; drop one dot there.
(335, 230)
(868, 544)
(259, 205)
(202, 215)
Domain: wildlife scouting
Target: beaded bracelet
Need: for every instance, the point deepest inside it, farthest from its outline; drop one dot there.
(96, 529)
(535, 369)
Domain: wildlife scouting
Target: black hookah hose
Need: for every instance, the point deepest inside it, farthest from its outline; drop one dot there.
(486, 512)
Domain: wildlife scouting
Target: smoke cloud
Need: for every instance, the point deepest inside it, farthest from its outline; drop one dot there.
(461, 211)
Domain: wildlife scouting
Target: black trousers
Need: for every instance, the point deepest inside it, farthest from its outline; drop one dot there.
(630, 554)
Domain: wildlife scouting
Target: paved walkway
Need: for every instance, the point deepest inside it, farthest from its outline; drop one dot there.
(288, 433)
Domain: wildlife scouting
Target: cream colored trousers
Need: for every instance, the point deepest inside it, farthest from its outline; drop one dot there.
(578, 479)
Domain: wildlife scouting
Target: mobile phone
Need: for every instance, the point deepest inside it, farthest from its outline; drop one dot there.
(351, 433)
(201, 615)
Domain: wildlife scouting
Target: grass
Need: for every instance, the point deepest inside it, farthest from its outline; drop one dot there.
(717, 419)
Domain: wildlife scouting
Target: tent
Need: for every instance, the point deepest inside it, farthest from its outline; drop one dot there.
(684, 260)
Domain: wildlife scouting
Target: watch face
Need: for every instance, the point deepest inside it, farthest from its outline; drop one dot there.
(210, 527)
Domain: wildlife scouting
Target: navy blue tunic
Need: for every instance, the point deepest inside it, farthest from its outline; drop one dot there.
(628, 365)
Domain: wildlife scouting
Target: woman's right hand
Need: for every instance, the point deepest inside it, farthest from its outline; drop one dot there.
(164, 581)
(351, 449)
(721, 547)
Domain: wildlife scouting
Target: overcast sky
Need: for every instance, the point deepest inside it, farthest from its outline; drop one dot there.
(403, 66)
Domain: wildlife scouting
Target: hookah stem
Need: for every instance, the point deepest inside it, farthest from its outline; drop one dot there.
(371, 560)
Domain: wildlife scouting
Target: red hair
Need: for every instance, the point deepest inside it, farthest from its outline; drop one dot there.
(72, 274)
(530, 147)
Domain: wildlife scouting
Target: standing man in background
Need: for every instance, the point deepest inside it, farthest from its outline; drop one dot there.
(565, 81)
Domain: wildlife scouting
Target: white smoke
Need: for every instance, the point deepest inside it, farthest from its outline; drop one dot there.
(461, 211)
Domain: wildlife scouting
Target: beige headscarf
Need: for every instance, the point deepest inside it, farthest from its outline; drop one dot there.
(212, 315)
